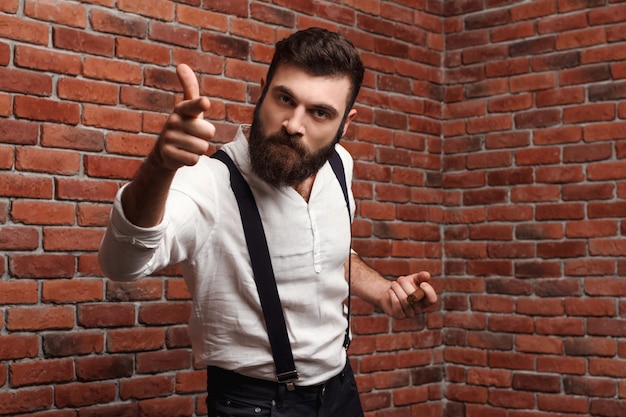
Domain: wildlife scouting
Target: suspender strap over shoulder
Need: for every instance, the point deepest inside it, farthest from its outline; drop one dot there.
(337, 166)
(263, 274)
(263, 271)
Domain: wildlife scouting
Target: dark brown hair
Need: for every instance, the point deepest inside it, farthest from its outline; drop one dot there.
(321, 53)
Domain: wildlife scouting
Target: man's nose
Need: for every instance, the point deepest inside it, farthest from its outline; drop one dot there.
(294, 123)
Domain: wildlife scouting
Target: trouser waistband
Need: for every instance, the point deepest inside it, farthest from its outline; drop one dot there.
(221, 380)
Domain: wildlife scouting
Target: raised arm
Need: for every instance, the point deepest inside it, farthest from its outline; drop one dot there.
(182, 141)
(126, 252)
(390, 295)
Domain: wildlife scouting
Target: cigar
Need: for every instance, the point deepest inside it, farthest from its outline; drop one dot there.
(416, 297)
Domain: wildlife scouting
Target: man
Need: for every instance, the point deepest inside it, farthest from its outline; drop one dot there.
(180, 208)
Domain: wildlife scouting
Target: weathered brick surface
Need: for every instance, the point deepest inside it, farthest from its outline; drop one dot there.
(488, 149)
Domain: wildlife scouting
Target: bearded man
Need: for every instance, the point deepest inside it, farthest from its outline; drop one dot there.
(182, 207)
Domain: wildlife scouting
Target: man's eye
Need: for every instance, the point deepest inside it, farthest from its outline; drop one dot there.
(321, 114)
(284, 99)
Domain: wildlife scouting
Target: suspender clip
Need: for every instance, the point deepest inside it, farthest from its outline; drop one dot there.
(289, 379)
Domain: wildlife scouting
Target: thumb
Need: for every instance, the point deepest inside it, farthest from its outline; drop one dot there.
(193, 105)
(189, 81)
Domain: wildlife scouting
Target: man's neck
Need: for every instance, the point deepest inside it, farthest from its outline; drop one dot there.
(304, 188)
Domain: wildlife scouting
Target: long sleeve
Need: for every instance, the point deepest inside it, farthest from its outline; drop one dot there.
(127, 251)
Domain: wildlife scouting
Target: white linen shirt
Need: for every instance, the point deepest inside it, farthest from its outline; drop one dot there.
(201, 229)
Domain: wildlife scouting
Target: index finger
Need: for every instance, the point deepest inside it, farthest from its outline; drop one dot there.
(189, 81)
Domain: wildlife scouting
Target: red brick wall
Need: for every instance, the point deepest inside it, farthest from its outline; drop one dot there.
(487, 151)
(85, 87)
(534, 178)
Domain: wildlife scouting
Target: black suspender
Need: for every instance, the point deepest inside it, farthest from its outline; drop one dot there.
(263, 271)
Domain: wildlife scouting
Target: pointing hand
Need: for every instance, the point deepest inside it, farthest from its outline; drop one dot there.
(186, 135)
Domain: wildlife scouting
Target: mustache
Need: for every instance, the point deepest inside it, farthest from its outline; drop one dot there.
(283, 138)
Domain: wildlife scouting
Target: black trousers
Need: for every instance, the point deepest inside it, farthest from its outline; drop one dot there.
(234, 395)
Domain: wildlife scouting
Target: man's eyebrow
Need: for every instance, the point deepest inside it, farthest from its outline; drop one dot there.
(331, 110)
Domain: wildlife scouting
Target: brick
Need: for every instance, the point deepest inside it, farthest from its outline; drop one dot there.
(225, 45)
(84, 394)
(119, 24)
(602, 54)
(171, 406)
(18, 238)
(10, 6)
(72, 343)
(140, 388)
(163, 360)
(583, 267)
(123, 143)
(174, 34)
(589, 346)
(97, 368)
(42, 265)
(12, 27)
(89, 91)
(158, 9)
(469, 394)
(165, 313)
(589, 113)
(111, 70)
(111, 167)
(5, 105)
(54, 11)
(72, 291)
(45, 60)
(562, 403)
(274, 15)
(195, 17)
(178, 337)
(538, 344)
(106, 315)
(18, 292)
(200, 62)
(135, 340)
(40, 318)
(115, 410)
(69, 137)
(42, 213)
(47, 161)
(146, 99)
(93, 214)
(46, 110)
(19, 346)
(88, 265)
(607, 408)
(176, 289)
(41, 372)
(508, 360)
(24, 81)
(112, 118)
(142, 51)
(581, 38)
(81, 41)
(25, 400)
(586, 74)
(528, 269)
(85, 190)
(68, 239)
(537, 119)
(142, 290)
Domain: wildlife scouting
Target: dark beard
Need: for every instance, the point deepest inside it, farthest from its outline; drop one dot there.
(281, 159)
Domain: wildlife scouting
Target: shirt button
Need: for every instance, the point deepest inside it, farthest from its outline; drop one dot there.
(257, 410)
(273, 403)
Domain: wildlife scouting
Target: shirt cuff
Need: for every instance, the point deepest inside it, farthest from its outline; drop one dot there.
(125, 231)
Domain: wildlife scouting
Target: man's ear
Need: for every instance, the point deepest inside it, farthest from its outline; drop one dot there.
(262, 83)
(351, 115)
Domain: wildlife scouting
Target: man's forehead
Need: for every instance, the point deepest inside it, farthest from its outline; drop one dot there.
(322, 88)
